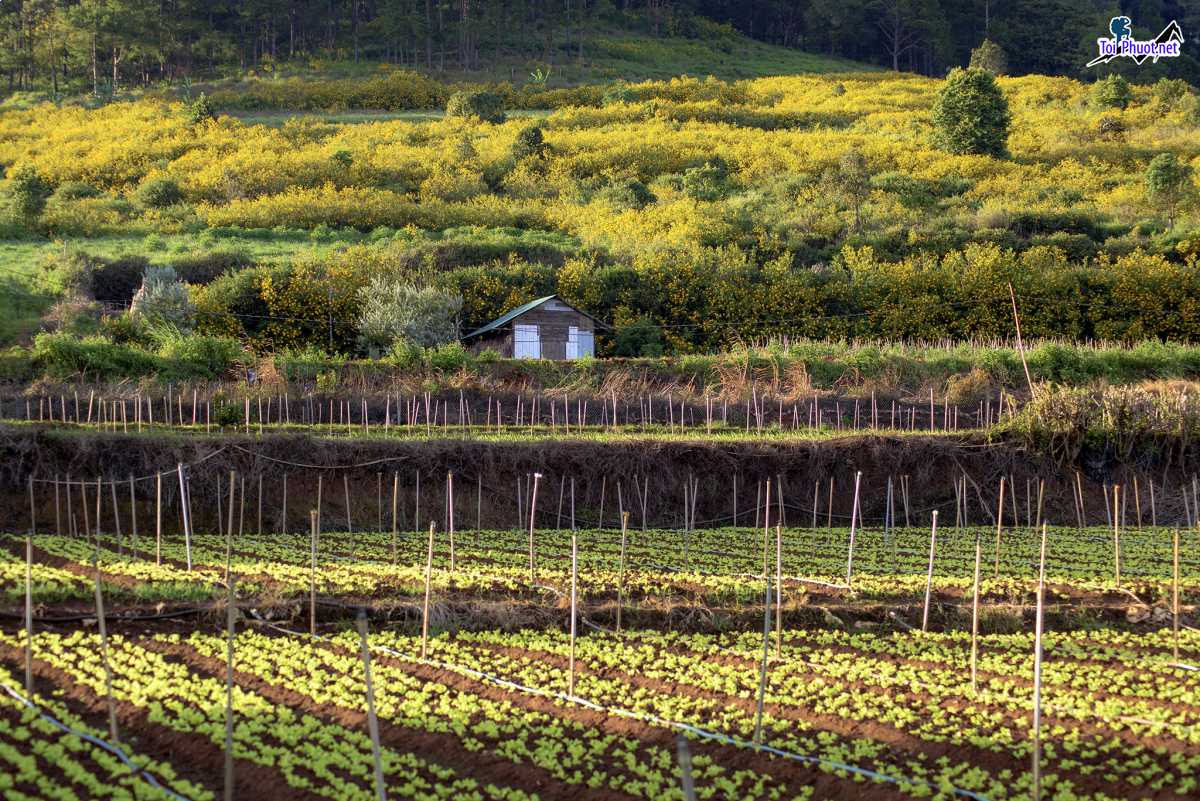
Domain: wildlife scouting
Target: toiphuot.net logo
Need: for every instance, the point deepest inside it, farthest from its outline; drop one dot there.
(1123, 45)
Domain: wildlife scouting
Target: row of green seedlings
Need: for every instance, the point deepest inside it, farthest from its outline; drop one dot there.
(231, 581)
(119, 413)
(526, 501)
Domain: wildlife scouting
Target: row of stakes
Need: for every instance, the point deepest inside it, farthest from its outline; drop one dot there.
(684, 756)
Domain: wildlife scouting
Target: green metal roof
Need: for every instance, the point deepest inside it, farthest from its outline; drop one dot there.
(533, 304)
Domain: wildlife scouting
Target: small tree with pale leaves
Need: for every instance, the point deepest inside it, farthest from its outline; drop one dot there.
(395, 313)
(162, 303)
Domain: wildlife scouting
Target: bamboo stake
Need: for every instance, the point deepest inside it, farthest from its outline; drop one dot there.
(1083, 510)
(372, 720)
(1175, 602)
(349, 524)
(33, 510)
(829, 518)
(1037, 677)
(395, 520)
(603, 487)
(112, 704)
(260, 496)
(187, 536)
(450, 514)
(1137, 501)
(283, 514)
(779, 590)
(533, 506)
(314, 524)
(574, 599)
(229, 693)
(904, 490)
(766, 527)
(425, 610)
(1153, 510)
(1116, 534)
(975, 615)
(684, 754)
(762, 681)
(29, 615)
(158, 522)
(58, 509)
(112, 485)
(853, 524)
(1000, 524)
(621, 578)
(229, 529)
(100, 498)
(929, 575)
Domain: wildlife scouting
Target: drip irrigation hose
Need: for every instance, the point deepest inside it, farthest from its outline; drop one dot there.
(644, 718)
(96, 741)
(122, 618)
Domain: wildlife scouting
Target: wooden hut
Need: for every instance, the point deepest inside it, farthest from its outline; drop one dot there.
(547, 328)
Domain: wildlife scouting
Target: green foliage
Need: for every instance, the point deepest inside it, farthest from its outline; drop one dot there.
(989, 57)
(1114, 92)
(530, 143)
(159, 193)
(27, 194)
(198, 111)
(73, 190)
(1169, 181)
(1169, 92)
(971, 115)
(68, 356)
(619, 93)
(449, 358)
(394, 312)
(464, 150)
(851, 181)
(196, 356)
(706, 183)
(629, 193)
(639, 338)
(908, 190)
(342, 158)
(162, 302)
(487, 106)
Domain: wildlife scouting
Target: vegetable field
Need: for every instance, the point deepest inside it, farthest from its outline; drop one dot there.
(775, 659)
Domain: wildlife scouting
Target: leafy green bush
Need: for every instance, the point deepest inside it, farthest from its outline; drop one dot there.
(705, 183)
(68, 356)
(1114, 92)
(627, 194)
(394, 312)
(971, 115)
(73, 190)
(530, 143)
(637, 339)
(199, 356)
(619, 93)
(159, 193)
(485, 105)
(27, 194)
(162, 301)
(449, 358)
(990, 57)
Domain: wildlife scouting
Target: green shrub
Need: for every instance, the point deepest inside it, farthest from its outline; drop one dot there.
(159, 193)
(627, 194)
(619, 93)
(67, 356)
(449, 358)
(27, 194)
(971, 115)
(990, 57)
(199, 357)
(487, 106)
(1114, 92)
(530, 143)
(394, 312)
(908, 190)
(73, 190)
(162, 302)
(705, 183)
(640, 338)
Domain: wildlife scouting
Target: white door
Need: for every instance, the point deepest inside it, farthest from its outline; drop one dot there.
(587, 344)
(526, 342)
(573, 342)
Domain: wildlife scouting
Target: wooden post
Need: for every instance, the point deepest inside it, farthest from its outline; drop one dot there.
(779, 590)
(57, 509)
(766, 527)
(853, 523)
(1037, 677)
(621, 574)
(929, 575)
(762, 681)
(132, 514)
(1153, 510)
(33, 511)
(428, 577)
(829, 511)
(450, 514)
(574, 600)
(372, 720)
(112, 704)
(533, 506)
(232, 610)
(735, 500)
(1116, 534)
(29, 615)
(100, 498)
(349, 523)
(157, 521)
(684, 754)
(260, 493)
(975, 615)
(187, 536)
(1175, 602)
(314, 524)
(229, 530)
(1137, 501)
(395, 519)
(1000, 525)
